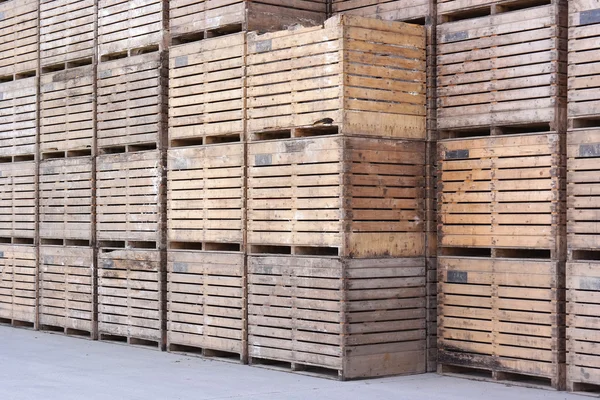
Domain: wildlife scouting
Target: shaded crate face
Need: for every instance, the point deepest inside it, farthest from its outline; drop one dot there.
(501, 314)
(206, 84)
(190, 16)
(386, 317)
(129, 293)
(131, 101)
(392, 10)
(488, 76)
(584, 59)
(501, 192)
(66, 30)
(17, 199)
(66, 198)
(206, 194)
(17, 286)
(127, 24)
(583, 308)
(18, 36)
(583, 185)
(205, 300)
(295, 310)
(129, 187)
(18, 108)
(67, 110)
(66, 293)
(297, 78)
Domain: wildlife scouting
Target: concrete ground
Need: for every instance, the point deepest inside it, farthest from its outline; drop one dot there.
(42, 366)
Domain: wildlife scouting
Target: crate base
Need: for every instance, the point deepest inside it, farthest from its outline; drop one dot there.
(297, 368)
(15, 323)
(130, 340)
(206, 353)
(584, 388)
(477, 131)
(496, 376)
(67, 331)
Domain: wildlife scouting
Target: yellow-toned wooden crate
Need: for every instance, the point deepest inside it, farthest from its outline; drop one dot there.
(504, 72)
(66, 294)
(215, 16)
(503, 317)
(357, 197)
(206, 189)
(352, 318)
(129, 190)
(363, 76)
(206, 302)
(131, 25)
(65, 198)
(132, 99)
(18, 284)
(18, 199)
(584, 62)
(394, 10)
(18, 37)
(67, 100)
(130, 290)
(502, 192)
(206, 90)
(18, 117)
(67, 31)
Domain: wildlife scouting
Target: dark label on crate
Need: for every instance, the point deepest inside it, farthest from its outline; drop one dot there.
(589, 150)
(181, 61)
(108, 264)
(457, 277)
(263, 159)
(1, 254)
(47, 260)
(589, 17)
(105, 74)
(456, 36)
(1, 96)
(180, 267)
(180, 163)
(589, 283)
(1, 16)
(263, 45)
(457, 154)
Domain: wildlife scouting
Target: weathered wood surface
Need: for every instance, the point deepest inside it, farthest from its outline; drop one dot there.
(297, 78)
(18, 282)
(18, 199)
(18, 37)
(18, 119)
(65, 198)
(67, 31)
(393, 10)
(453, 10)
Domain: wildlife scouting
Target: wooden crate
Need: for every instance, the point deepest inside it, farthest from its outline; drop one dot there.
(583, 309)
(65, 198)
(18, 116)
(66, 293)
(206, 303)
(206, 90)
(130, 296)
(18, 37)
(128, 26)
(18, 284)
(17, 199)
(502, 193)
(67, 31)
(502, 319)
(356, 75)
(210, 17)
(584, 63)
(132, 99)
(417, 11)
(301, 312)
(504, 73)
(130, 188)
(67, 100)
(357, 197)
(206, 189)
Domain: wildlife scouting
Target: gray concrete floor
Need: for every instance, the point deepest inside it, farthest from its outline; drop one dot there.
(42, 366)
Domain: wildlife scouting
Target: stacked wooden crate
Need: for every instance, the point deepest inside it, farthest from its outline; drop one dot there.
(583, 150)
(66, 168)
(18, 170)
(501, 111)
(335, 232)
(130, 172)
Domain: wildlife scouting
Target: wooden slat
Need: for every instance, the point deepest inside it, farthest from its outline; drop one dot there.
(17, 199)
(18, 282)
(392, 10)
